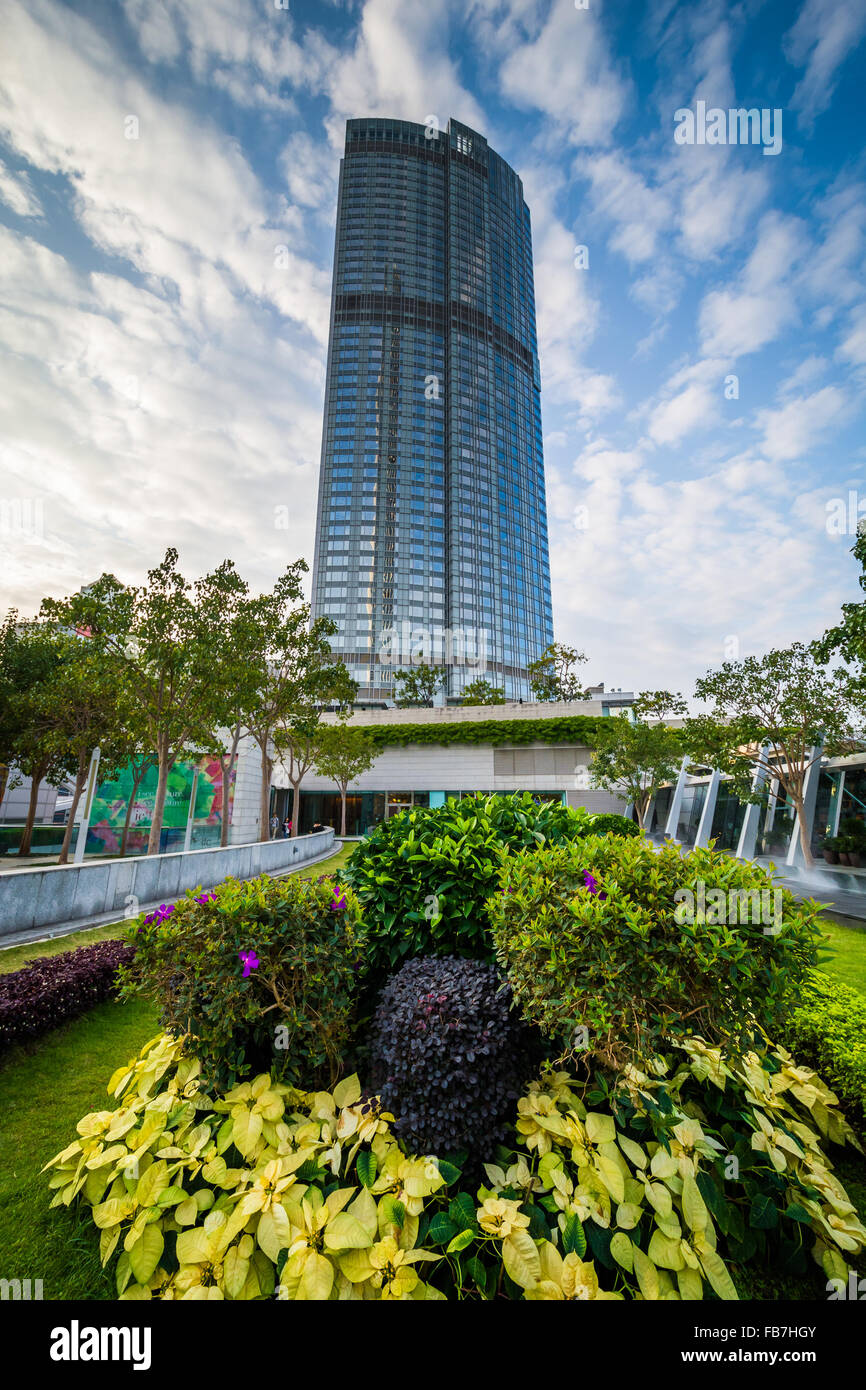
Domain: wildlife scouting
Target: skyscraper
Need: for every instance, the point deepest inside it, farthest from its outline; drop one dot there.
(431, 541)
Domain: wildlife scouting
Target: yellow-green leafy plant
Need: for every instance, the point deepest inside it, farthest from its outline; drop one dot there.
(650, 1191)
(317, 1201)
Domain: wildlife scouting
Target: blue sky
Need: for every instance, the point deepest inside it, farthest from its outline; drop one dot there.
(163, 366)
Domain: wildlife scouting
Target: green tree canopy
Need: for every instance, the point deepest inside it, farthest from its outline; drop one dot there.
(636, 752)
(344, 753)
(164, 643)
(777, 712)
(482, 692)
(418, 685)
(554, 677)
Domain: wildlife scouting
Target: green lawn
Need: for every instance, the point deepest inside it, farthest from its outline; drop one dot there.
(45, 1088)
(847, 946)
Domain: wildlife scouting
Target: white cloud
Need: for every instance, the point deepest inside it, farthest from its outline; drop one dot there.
(16, 191)
(564, 70)
(825, 34)
(179, 202)
(795, 427)
(400, 66)
(753, 310)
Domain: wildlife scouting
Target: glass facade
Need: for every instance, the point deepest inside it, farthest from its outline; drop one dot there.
(431, 540)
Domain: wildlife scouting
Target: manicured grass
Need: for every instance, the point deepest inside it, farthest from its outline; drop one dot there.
(848, 947)
(45, 1088)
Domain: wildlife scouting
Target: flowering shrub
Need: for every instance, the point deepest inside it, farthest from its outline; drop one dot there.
(450, 1055)
(268, 1189)
(609, 950)
(261, 973)
(51, 990)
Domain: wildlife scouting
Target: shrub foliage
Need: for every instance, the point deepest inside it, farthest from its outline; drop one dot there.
(450, 1055)
(260, 973)
(424, 876)
(50, 991)
(608, 823)
(609, 1196)
(826, 1026)
(596, 941)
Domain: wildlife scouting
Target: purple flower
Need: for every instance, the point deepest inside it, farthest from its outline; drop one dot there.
(160, 914)
(592, 884)
(206, 898)
(250, 962)
(339, 900)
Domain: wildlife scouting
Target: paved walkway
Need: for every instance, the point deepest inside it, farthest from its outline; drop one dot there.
(843, 890)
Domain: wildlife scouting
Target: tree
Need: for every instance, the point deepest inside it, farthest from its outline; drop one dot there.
(552, 677)
(30, 657)
(243, 677)
(163, 642)
(77, 713)
(636, 755)
(296, 673)
(298, 741)
(483, 692)
(848, 638)
(344, 754)
(778, 713)
(419, 685)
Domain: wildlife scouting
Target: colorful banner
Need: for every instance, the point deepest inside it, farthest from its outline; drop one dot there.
(112, 798)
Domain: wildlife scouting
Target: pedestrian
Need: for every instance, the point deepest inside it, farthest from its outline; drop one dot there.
(287, 827)
(275, 826)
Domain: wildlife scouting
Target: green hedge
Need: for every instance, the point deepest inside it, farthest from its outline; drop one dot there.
(827, 1029)
(578, 728)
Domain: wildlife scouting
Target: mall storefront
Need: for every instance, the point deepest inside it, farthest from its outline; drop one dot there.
(365, 810)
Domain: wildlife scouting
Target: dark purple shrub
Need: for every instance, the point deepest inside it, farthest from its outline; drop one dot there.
(56, 988)
(450, 1056)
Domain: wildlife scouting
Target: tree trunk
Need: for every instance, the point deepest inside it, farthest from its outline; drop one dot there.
(27, 838)
(343, 813)
(296, 806)
(225, 774)
(4, 781)
(80, 779)
(159, 802)
(137, 781)
(265, 802)
(226, 771)
(805, 844)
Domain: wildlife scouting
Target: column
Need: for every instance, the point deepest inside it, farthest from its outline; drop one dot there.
(84, 824)
(705, 825)
(677, 802)
(187, 839)
(751, 820)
